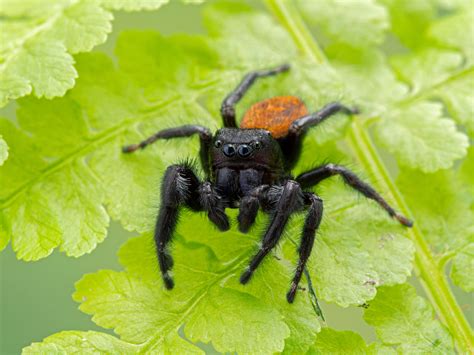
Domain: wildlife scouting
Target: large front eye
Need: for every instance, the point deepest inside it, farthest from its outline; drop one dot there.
(229, 150)
(218, 144)
(244, 150)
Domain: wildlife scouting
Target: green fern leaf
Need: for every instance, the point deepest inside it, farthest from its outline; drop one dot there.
(330, 341)
(431, 73)
(133, 5)
(66, 175)
(39, 38)
(85, 342)
(360, 23)
(218, 258)
(403, 319)
(3, 150)
(69, 193)
(447, 223)
(463, 263)
(204, 301)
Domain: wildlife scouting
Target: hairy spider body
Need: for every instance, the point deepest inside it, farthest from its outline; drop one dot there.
(249, 168)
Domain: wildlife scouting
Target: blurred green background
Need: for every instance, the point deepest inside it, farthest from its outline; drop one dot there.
(35, 298)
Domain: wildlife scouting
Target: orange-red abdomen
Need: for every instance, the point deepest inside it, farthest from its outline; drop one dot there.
(275, 115)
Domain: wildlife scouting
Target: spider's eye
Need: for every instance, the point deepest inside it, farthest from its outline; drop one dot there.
(218, 144)
(229, 150)
(244, 150)
(257, 145)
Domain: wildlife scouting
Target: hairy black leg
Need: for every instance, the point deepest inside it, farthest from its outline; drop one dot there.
(180, 185)
(249, 206)
(227, 107)
(318, 174)
(205, 136)
(311, 224)
(290, 201)
(302, 124)
(291, 143)
(213, 204)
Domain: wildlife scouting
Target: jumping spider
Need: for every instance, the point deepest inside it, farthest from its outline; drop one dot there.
(249, 167)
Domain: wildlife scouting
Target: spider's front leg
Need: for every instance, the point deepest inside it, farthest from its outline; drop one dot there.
(286, 200)
(311, 224)
(204, 133)
(181, 186)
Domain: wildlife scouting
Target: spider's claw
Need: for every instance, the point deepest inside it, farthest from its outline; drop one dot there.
(403, 220)
(354, 110)
(280, 69)
(290, 296)
(245, 223)
(130, 148)
(220, 219)
(283, 68)
(169, 283)
(243, 228)
(245, 277)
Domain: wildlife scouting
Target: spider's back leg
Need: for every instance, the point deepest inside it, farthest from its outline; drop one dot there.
(291, 143)
(315, 176)
(228, 105)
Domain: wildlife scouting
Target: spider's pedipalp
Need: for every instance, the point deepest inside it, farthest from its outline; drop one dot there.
(211, 202)
(249, 206)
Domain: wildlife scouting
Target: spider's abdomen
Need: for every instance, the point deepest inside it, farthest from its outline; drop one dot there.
(275, 114)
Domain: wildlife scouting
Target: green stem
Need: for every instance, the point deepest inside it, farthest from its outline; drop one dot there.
(290, 18)
(432, 278)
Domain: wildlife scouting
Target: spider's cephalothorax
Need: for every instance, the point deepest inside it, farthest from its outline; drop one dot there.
(250, 168)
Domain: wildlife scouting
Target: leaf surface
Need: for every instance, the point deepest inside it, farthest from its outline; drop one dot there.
(330, 341)
(403, 319)
(403, 90)
(38, 39)
(360, 23)
(66, 176)
(74, 166)
(3, 150)
(68, 342)
(463, 264)
(421, 138)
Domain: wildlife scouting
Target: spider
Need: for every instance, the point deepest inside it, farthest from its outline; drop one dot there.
(249, 167)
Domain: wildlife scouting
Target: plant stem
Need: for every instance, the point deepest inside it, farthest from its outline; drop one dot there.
(433, 278)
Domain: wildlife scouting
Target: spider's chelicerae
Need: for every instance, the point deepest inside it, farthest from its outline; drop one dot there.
(249, 167)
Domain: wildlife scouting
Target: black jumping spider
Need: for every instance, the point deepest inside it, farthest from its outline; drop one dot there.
(250, 168)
